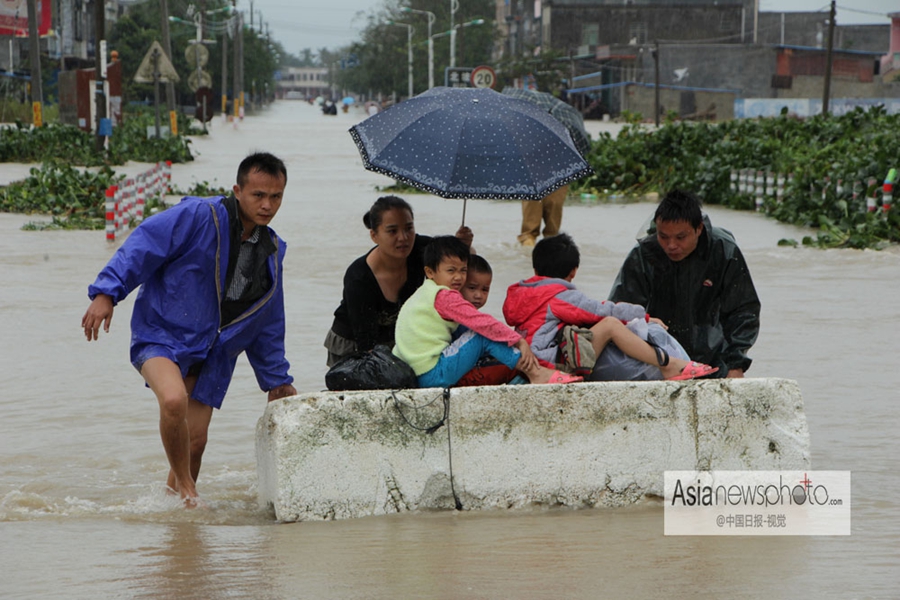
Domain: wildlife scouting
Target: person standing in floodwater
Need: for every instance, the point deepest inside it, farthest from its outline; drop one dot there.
(192, 317)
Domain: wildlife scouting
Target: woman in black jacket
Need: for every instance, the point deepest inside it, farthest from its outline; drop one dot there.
(378, 283)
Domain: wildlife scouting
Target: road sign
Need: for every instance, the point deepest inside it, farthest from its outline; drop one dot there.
(195, 53)
(204, 104)
(199, 79)
(483, 77)
(162, 65)
(457, 76)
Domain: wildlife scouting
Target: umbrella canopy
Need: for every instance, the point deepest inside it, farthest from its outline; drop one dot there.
(565, 113)
(470, 143)
(349, 100)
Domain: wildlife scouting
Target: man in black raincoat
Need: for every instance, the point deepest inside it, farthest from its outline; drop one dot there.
(693, 276)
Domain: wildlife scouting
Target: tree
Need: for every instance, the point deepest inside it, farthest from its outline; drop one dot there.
(134, 32)
(382, 51)
(548, 69)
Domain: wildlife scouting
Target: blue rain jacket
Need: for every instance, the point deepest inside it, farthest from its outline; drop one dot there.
(179, 257)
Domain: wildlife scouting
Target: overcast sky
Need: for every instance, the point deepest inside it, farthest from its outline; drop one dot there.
(315, 24)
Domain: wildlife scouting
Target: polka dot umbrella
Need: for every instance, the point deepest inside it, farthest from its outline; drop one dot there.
(470, 143)
(565, 113)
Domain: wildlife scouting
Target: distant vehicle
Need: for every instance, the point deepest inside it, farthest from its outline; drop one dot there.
(294, 95)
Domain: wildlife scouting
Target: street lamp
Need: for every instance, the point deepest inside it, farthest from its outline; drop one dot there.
(409, 32)
(431, 19)
(454, 6)
(452, 34)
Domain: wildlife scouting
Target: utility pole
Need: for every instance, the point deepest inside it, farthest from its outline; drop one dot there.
(235, 78)
(409, 34)
(756, 21)
(225, 75)
(34, 49)
(240, 71)
(829, 57)
(656, 81)
(99, 51)
(454, 6)
(167, 46)
(198, 43)
(571, 68)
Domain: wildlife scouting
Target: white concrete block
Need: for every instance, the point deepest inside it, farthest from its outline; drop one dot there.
(335, 455)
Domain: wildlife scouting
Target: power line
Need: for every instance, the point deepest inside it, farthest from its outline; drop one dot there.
(863, 12)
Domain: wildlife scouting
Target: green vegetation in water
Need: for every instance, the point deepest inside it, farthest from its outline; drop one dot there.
(701, 156)
(399, 187)
(13, 110)
(202, 189)
(129, 142)
(75, 199)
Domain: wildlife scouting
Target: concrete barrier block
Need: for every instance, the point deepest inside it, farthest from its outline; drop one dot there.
(333, 455)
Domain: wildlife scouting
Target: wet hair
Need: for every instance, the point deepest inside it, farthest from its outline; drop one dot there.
(555, 256)
(372, 219)
(478, 264)
(444, 246)
(262, 162)
(679, 205)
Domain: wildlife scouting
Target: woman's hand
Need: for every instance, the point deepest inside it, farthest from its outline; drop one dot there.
(465, 235)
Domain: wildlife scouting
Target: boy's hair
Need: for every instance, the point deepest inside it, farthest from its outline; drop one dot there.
(262, 162)
(478, 264)
(555, 256)
(679, 205)
(444, 246)
(372, 219)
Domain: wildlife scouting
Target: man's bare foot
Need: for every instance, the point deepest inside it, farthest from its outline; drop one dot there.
(194, 502)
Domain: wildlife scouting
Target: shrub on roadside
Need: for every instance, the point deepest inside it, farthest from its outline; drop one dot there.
(700, 157)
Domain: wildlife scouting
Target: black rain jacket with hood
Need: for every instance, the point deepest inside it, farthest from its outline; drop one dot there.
(707, 300)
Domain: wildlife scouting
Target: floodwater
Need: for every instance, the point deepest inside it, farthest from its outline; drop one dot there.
(83, 513)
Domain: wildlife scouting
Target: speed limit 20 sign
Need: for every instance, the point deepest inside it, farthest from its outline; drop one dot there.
(483, 77)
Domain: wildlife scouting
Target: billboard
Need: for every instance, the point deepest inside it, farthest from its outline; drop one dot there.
(14, 17)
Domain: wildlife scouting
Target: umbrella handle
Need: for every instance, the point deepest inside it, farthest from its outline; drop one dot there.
(465, 200)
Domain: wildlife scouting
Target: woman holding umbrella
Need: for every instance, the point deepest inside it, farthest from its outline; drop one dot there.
(378, 283)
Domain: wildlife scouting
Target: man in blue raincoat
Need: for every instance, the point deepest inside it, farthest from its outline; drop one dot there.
(210, 271)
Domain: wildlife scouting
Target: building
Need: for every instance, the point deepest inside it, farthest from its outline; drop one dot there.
(702, 55)
(303, 83)
(71, 36)
(890, 62)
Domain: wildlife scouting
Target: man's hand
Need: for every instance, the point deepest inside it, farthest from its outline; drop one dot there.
(465, 235)
(282, 391)
(735, 374)
(659, 322)
(529, 361)
(99, 311)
